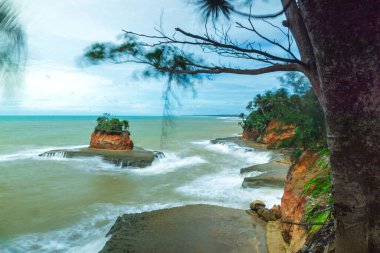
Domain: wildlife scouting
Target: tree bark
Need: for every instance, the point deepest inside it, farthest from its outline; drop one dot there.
(345, 35)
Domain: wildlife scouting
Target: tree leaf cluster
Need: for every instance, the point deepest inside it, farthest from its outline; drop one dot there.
(293, 104)
(12, 45)
(106, 123)
(160, 60)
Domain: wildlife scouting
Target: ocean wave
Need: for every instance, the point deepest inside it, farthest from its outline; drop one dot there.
(203, 142)
(88, 235)
(225, 187)
(171, 162)
(248, 156)
(229, 118)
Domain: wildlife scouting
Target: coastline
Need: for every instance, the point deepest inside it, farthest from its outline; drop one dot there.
(233, 230)
(93, 192)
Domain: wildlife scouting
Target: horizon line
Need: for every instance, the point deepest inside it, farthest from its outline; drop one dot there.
(117, 115)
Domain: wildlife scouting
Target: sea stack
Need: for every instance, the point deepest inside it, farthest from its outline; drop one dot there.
(111, 141)
(111, 134)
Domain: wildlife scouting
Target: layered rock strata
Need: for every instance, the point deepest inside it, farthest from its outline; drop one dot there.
(111, 140)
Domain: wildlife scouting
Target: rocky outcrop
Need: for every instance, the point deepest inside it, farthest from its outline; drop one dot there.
(251, 134)
(264, 180)
(249, 144)
(125, 158)
(111, 140)
(273, 174)
(193, 228)
(276, 132)
(258, 207)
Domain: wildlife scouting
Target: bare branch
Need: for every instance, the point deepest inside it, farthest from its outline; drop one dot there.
(275, 26)
(224, 70)
(144, 35)
(274, 15)
(214, 43)
(253, 29)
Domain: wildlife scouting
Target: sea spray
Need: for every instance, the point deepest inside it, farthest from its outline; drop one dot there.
(170, 163)
(246, 155)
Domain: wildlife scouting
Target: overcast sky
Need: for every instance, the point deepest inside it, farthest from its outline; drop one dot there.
(59, 30)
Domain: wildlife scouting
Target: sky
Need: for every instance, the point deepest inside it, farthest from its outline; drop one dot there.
(58, 32)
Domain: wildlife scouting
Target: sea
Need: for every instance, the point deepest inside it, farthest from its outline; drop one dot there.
(57, 204)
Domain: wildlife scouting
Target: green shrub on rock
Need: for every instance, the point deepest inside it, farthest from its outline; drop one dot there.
(106, 123)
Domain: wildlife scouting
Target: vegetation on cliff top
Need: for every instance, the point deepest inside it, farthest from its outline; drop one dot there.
(106, 123)
(293, 104)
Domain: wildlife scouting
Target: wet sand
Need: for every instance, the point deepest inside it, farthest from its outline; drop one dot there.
(193, 228)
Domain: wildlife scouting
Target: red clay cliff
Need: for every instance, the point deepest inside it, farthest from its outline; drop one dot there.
(274, 133)
(111, 141)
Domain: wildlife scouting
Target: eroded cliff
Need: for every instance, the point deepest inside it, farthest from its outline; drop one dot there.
(111, 140)
(306, 204)
(273, 135)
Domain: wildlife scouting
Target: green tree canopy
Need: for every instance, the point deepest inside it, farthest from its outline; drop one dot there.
(106, 123)
(295, 104)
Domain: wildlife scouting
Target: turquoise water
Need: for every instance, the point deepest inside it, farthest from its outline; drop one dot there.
(68, 205)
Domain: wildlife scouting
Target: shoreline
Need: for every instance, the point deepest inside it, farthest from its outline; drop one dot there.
(273, 173)
(174, 226)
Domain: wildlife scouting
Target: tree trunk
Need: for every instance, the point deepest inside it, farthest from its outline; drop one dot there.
(345, 35)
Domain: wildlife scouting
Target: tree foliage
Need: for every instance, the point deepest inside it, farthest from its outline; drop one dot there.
(106, 123)
(294, 104)
(164, 61)
(12, 44)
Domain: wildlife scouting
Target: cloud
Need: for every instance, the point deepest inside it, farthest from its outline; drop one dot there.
(59, 30)
(72, 91)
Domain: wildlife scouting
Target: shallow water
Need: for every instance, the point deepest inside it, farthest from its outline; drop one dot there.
(67, 205)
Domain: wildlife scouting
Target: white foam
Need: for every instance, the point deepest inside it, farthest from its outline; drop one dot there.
(229, 118)
(171, 162)
(203, 142)
(89, 235)
(245, 155)
(93, 246)
(218, 188)
(225, 188)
